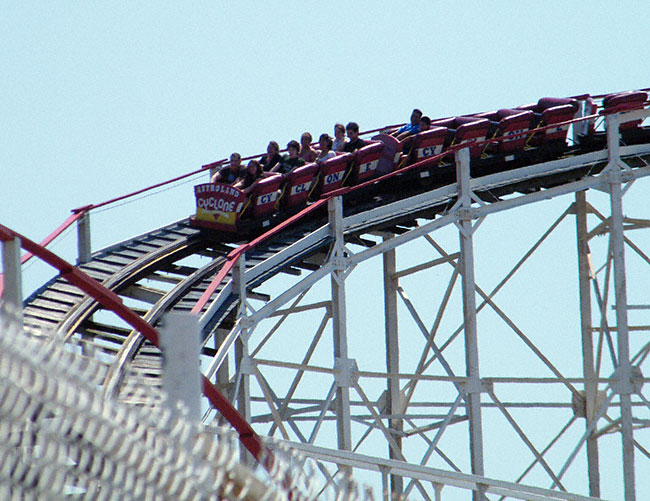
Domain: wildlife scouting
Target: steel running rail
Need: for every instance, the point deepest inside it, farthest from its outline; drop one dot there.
(113, 302)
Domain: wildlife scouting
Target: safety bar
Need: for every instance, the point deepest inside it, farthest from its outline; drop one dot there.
(600, 96)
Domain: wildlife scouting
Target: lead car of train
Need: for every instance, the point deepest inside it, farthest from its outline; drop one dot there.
(499, 140)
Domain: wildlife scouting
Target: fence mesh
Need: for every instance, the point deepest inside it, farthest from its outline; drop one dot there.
(61, 438)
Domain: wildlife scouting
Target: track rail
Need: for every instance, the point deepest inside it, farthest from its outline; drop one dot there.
(150, 274)
(124, 268)
(113, 302)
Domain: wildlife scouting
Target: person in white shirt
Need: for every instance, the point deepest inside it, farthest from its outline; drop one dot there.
(339, 138)
(325, 142)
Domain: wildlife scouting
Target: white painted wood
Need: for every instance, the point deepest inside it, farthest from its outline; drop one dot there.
(11, 301)
(180, 344)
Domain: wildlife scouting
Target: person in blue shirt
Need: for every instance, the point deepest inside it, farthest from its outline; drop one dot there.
(410, 128)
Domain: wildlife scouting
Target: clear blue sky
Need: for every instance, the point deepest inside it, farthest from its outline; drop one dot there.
(103, 98)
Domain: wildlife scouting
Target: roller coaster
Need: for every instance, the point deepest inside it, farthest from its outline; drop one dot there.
(243, 266)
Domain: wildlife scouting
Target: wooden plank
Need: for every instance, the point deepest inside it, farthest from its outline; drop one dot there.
(199, 289)
(192, 296)
(148, 367)
(251, 263)
(166, 235)
(97, 275)
(39, 323)
(258, 295)
(129, 253)
(398, 230)
(112, 329)
(89, 268)
(43, 314)
(105, 336)
(49, 304)
(102, 266)
(183, 308)
(263, 256)
(356, 239)
(144, 247)
(178, 269)
(174, 234)
(114, 259)
(61, 297)
(146, 362)
(106, 349)
(149, 351)
(139, 311)
(157, 277)
(186, 230)
(215, 251)
(60, 285)
(158, 241)
(290, 270)
(142, 293)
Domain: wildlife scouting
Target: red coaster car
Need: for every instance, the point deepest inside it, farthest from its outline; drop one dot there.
(298, 185)
(218, 206)
(332, 173)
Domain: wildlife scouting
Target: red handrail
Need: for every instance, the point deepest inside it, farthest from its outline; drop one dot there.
(111, 301)
(212, 165)
(600, 96)
(233, 255)
(134, 193)
(453, 149)
(78, 212)
(46, 241)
